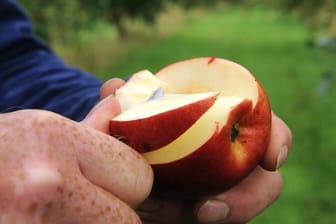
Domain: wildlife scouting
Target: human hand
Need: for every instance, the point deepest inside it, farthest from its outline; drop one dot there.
(54, 170)
(237, 205)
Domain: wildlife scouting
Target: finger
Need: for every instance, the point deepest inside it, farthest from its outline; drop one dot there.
(110, 86)
(94, 205)
(114, 166)
(45, 194)
(100, 116)
(244, 201)
(83, 202)
(110, 163)
(164, 211)
(279, 146)
(86, 203)
(103, 160)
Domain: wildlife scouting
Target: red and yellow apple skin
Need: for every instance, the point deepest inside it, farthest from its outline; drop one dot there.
(224, 160)
(234, 146)
(151, 133)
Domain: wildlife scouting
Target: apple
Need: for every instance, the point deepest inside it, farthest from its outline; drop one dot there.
(203, 124)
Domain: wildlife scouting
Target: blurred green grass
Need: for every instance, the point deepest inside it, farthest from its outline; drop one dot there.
(273, 46)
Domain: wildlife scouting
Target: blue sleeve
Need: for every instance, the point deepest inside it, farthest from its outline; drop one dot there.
(33, 76)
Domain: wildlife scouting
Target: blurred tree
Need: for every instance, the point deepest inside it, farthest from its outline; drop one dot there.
(60, 19)
(319, 14)
(119, 10)
(305, 4)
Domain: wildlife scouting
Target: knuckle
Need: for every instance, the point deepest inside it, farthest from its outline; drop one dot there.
(43, 118)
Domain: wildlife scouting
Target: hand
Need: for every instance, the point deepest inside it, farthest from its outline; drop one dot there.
(237, 205)
(54, 170)
(259, 190)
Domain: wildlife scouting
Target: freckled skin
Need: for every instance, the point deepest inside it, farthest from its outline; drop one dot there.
(53, 170)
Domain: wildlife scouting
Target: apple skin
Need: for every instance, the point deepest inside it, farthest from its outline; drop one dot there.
(230, 154)
(220, 163)
(148, 134)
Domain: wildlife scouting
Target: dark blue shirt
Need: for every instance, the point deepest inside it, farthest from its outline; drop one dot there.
(33, 76)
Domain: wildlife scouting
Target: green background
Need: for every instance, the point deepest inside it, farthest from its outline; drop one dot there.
(272, 45)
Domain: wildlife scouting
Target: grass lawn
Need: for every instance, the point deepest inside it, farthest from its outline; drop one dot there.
(273, 47)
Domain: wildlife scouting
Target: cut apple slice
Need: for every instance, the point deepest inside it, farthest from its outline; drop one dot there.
(158, 122)
(208, 125)
(141, 87)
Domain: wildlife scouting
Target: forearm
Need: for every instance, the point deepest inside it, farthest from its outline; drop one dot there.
(33, 76)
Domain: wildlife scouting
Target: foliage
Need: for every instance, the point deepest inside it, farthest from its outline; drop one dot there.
(316, 14)
(56, 19)
(62, 19)
(309, 5)
(273, 46)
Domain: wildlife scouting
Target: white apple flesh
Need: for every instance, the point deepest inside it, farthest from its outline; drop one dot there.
(141, 86)
(207, 132)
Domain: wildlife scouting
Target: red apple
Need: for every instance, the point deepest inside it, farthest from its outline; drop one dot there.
(207, 132)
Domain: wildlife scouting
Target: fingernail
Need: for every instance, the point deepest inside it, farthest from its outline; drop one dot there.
(99, 104)
(105, 100)
(213, 211)
(282, 156)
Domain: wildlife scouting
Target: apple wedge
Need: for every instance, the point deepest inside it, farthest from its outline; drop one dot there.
(158, 122)
(207, 129)
(140, 87)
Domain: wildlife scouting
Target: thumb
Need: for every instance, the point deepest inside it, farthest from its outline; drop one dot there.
(111, 164)
(100, 116)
